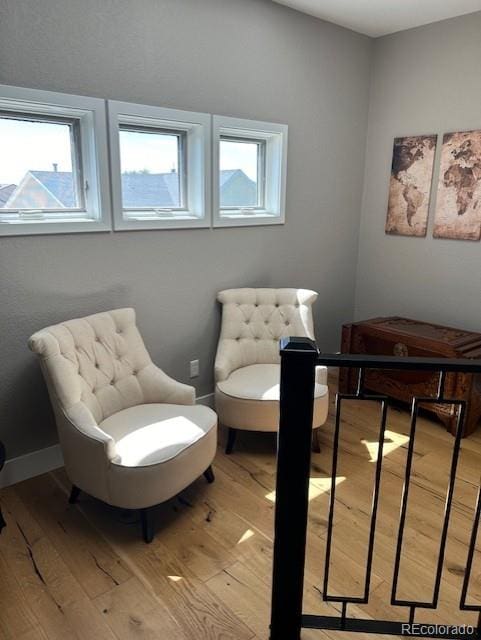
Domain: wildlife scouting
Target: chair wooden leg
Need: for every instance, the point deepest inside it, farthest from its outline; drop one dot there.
(316, 447)
(147, 525)
(231, 437)
(209, 475)
(74, 494)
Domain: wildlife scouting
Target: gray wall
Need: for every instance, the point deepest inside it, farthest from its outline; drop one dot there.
(426, 80)
(246, 58)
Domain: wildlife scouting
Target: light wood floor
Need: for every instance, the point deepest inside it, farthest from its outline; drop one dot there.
(83, 572)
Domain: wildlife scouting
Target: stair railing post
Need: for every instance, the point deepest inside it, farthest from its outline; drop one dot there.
(298, 361)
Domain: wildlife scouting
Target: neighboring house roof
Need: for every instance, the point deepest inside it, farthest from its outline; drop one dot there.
(6, 191)
(162, 189)
(237, 189)
(227, 174)
(172, 183)
(60, 184)
(138, 189)
(150, 190)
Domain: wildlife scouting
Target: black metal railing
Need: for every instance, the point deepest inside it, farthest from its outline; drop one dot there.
(299, 358)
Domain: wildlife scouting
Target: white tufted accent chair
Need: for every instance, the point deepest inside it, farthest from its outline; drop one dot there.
(247, 365)
(130, 435)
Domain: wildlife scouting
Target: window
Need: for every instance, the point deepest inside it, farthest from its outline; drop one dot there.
(160, 167)
(145, 155)
(249, 172)
(40, 163)
(53, 157)
(242, 173)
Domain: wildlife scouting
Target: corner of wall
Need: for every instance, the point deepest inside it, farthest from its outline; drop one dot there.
(372, 54)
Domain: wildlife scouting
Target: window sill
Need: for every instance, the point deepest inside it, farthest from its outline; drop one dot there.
(242, 219)
(36, 226)
(143, 222)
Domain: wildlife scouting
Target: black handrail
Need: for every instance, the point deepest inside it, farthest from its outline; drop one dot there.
(299, 357)
(448, 365)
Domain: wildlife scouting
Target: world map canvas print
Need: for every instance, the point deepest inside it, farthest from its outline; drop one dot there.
(410, 185)
(458, 204)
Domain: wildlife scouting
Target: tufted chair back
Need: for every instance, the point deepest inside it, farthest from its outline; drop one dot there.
(254, 320)
(98, 364)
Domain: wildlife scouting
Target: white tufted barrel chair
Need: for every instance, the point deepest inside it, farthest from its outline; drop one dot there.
(130, 435)
(247, 365)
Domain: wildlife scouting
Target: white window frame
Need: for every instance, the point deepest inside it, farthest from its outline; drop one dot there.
(273, 184)
(90, 114)
(196, 129)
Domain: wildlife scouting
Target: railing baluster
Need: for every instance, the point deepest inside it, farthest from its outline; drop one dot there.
(447, 509)
(449, 500)
(404, 502)
(469, 561)
(375, 499)
(332, 497)
(360, 395)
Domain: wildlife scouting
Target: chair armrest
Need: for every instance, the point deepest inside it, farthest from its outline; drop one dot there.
(222, 368)
(229, 357)
(159, 387)
(79, 417)
(87, 450)
(321, 375)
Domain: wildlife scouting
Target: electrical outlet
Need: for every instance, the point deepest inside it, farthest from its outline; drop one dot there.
(194, 368)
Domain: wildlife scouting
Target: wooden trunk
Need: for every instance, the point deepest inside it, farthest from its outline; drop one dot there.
(403, 337)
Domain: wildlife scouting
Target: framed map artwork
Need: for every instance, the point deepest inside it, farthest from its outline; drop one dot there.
(410, 185)
(458, 204)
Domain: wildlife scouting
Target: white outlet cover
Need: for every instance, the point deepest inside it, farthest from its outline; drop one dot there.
(194, 368)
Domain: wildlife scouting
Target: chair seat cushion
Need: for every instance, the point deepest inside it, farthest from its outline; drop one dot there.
(258, 382)
(149, 434)
(249, 398)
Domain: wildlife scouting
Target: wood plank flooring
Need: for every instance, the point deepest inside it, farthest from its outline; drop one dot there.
(82, 572)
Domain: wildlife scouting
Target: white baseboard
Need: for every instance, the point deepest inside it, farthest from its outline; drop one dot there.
(30, 465)
(45, 460)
